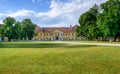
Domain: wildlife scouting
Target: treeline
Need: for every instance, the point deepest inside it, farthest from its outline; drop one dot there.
(101, 22)
(13, 29)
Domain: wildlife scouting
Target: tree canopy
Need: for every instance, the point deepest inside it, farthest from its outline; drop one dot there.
(9, 27)
(88, 23)
(28, 28)
(101, 21)
(17, 30)
(109, 18)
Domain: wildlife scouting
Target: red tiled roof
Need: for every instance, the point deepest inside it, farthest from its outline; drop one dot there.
(63, 29)
(75, 27)
(38, 29)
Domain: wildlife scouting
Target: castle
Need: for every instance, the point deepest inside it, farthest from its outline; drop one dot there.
(55, 33)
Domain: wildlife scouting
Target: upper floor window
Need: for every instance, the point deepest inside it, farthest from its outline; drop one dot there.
(73, 34)
(51, 34)
(69, 34)
(40, 34)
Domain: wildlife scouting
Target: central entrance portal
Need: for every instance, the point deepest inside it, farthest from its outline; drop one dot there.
(57, 38)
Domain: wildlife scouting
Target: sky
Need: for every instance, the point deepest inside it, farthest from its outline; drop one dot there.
(46, 13)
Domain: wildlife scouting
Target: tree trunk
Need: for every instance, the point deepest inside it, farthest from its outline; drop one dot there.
(110, 39)
(29, 38)
(96, 38)
(2, 38)
(102, 38)
(115, 38)
(9, 39)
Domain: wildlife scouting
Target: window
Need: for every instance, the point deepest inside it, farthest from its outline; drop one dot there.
(73, 34)
(51, 34)
(40, 34)
(69, 34)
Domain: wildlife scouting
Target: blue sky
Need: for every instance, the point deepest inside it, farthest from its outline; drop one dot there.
(46, 13)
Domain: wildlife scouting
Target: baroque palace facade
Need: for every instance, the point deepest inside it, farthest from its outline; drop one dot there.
(55, 33)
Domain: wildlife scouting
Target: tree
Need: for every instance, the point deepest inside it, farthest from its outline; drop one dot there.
(109, 19)
(17, 30)
(28, 28)
(8, 28)
(2, 32)
(88, 23)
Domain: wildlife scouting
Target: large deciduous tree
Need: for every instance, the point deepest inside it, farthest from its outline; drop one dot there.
(109, 19)
(88, 23)
(28, 28)
(2, 32)
(8, 28)
(17, 29)
(104, 23)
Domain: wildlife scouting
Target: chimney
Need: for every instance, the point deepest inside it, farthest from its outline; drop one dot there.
(70, 26)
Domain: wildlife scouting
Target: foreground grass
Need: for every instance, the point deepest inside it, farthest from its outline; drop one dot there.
(50, 58)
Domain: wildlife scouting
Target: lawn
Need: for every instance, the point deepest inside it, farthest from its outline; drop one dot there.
(52, 58)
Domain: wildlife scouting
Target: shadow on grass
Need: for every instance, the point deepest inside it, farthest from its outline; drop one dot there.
(41, 45)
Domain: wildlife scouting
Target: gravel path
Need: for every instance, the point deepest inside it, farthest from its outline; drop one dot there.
(86, 43)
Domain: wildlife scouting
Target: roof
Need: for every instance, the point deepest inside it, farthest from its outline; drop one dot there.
(52, 29)
(38, 29)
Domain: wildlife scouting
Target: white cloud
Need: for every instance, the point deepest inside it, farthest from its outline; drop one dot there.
(60, 13)
(18, 13)
(22, 13)
(61, 24)
(68, 12)
(33, 1)
(2, 14)
(1, 22)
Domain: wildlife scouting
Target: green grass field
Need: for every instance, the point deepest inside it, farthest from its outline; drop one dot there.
(51, 58)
